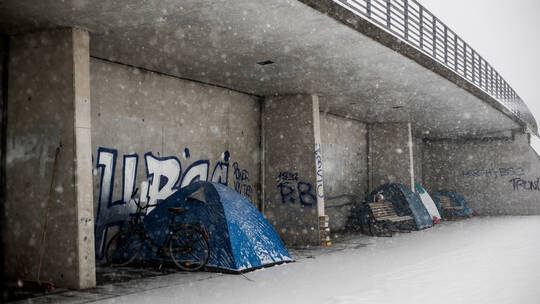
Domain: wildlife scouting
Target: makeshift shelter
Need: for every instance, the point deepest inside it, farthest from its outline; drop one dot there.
(405, 202)
(456, 201)
(428, 202)
(241, 239)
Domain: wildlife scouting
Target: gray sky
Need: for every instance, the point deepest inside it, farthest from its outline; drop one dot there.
(506, 33)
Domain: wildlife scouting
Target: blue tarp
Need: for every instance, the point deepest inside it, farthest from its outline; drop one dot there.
(405, 202)
(456, 200)
(241, 239)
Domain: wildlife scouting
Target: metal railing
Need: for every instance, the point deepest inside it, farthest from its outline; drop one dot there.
(410, 21)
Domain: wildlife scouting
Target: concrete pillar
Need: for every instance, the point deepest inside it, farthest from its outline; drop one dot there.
(49, 107)
(390, 154)
(293, 168)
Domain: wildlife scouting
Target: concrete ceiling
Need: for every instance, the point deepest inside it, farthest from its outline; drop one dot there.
(220, 42)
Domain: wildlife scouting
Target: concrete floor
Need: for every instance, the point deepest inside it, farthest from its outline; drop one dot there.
(482, 260)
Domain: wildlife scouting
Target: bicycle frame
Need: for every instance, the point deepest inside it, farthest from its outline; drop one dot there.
(136, 224)
(186, 244)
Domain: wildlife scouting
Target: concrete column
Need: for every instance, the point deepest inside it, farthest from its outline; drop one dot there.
(49, 107)
(390, 154)
(293, 172)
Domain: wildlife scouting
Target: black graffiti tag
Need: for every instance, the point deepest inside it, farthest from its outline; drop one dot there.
(528, 185)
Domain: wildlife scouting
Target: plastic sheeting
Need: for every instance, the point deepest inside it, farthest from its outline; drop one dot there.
(427, 201)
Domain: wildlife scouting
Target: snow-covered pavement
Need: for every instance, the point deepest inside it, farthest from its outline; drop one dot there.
(482, 260)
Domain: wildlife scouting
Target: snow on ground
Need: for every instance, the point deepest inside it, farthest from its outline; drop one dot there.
(482, 260)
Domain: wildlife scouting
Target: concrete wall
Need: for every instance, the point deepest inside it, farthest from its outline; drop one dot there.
(290, 172)
(145, 123)
(344, 146)
(49, 107)
(390, 154)
(498, 176)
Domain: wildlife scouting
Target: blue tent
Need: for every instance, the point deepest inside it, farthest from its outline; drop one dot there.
(456, 200)
(241, 239)
(405, 202)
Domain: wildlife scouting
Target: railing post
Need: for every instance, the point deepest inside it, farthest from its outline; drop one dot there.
(497, 89)
(368, 8)
(482, 73)
(406, 18)
(464, 60)
(434, 29)
(490, 79)
(479, 71)
(388, 12)
(501, 88)
(493, 82)
(445, 44)
(473, 67)
(421, 17)
(455, 54)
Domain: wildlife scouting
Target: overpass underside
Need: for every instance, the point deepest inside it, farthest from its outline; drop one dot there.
(302, 109)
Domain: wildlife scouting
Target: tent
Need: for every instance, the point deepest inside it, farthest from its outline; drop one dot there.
(456, 200)
(241, 239)
(405, 202)
(428, 202)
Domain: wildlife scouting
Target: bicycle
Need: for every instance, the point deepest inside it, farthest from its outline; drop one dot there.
(186, 244)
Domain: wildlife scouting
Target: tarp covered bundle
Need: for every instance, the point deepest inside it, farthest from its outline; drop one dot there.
(428, 202)
(456, 200)
(241, 239)
(405, 202)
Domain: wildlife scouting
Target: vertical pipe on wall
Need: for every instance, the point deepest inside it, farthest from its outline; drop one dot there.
(318, 155)
(370, 157)
(262, 154)
(411, 155)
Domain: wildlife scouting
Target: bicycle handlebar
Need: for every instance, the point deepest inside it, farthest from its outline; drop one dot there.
(148, 205)
(138, 203)
(134, 193)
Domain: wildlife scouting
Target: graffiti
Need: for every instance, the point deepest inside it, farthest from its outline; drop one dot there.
(241, 183)
(163, 174)
(163, 178)
(521, 184)
(319, 165)
(287, 176)
(495, 173)
(292, 190)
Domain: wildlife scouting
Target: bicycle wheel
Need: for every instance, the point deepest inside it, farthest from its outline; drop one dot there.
(123, 248)
(189, 248)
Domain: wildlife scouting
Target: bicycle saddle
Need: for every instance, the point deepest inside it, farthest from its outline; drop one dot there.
(176, 210)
